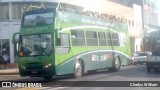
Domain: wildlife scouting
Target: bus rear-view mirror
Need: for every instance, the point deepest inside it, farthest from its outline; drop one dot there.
(15, 38)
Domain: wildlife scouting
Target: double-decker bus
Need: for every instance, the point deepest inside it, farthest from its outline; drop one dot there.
(58, 42)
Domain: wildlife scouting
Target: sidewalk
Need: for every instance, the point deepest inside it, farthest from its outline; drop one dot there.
(11, 70)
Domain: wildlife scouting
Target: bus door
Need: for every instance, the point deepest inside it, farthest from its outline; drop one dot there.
(62, 49)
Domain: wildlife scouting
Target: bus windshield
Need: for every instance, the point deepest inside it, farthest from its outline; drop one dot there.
(40, 44)
(38, 19)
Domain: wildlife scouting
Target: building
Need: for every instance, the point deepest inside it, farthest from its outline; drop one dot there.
(151, 18)
(151, 24)
(10, 19)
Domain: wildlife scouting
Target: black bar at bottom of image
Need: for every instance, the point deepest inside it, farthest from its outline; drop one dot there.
(84, 83)
(107, 84)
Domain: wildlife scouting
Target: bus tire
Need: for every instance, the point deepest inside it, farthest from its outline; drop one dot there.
(78, 70)
(117, 65)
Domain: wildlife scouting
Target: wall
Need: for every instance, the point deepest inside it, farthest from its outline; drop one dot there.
(7, 29)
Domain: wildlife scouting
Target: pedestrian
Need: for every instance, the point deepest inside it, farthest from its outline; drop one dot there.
(5, 59)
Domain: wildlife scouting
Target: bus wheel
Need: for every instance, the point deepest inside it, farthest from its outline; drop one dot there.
(78, 69)
(48, 78)
(117, 65)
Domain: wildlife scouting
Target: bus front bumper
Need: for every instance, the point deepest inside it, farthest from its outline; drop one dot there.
(42, 72)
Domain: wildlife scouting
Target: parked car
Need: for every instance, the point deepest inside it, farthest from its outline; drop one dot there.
(153, 61)
(140, 57)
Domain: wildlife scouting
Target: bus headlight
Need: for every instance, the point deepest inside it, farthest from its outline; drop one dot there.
(48, 65)
(23, 67)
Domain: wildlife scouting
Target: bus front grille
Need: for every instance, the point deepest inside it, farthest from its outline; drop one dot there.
(34, 66)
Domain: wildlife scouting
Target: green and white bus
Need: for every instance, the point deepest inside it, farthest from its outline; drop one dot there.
(58, 42)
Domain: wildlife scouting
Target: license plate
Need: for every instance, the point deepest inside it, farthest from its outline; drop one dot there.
(34, 72)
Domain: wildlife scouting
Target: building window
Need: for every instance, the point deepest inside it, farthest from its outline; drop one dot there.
(129, 22)
(4, 46)
(16, 11)
(132, 23)
(26, 6)
(125, 20)
(4, 11)
(50, 5)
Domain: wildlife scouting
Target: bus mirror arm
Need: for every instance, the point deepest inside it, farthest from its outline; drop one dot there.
(56, 33)
(14, 40)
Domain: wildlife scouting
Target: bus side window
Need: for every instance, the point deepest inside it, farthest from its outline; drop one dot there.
(63, 44)
(64, 39)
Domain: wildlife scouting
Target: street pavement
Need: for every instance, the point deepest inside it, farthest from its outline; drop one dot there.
(136, 73)
(11, 70)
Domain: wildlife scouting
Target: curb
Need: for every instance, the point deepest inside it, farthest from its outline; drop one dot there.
(13, 73)
(9, 72)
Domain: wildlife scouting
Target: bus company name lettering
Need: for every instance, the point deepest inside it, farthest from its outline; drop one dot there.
(36, 29)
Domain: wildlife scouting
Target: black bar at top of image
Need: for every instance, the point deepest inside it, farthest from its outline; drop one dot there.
(95, 83)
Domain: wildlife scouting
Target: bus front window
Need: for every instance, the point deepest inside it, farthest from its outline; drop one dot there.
(40, 44)
(38, 19)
